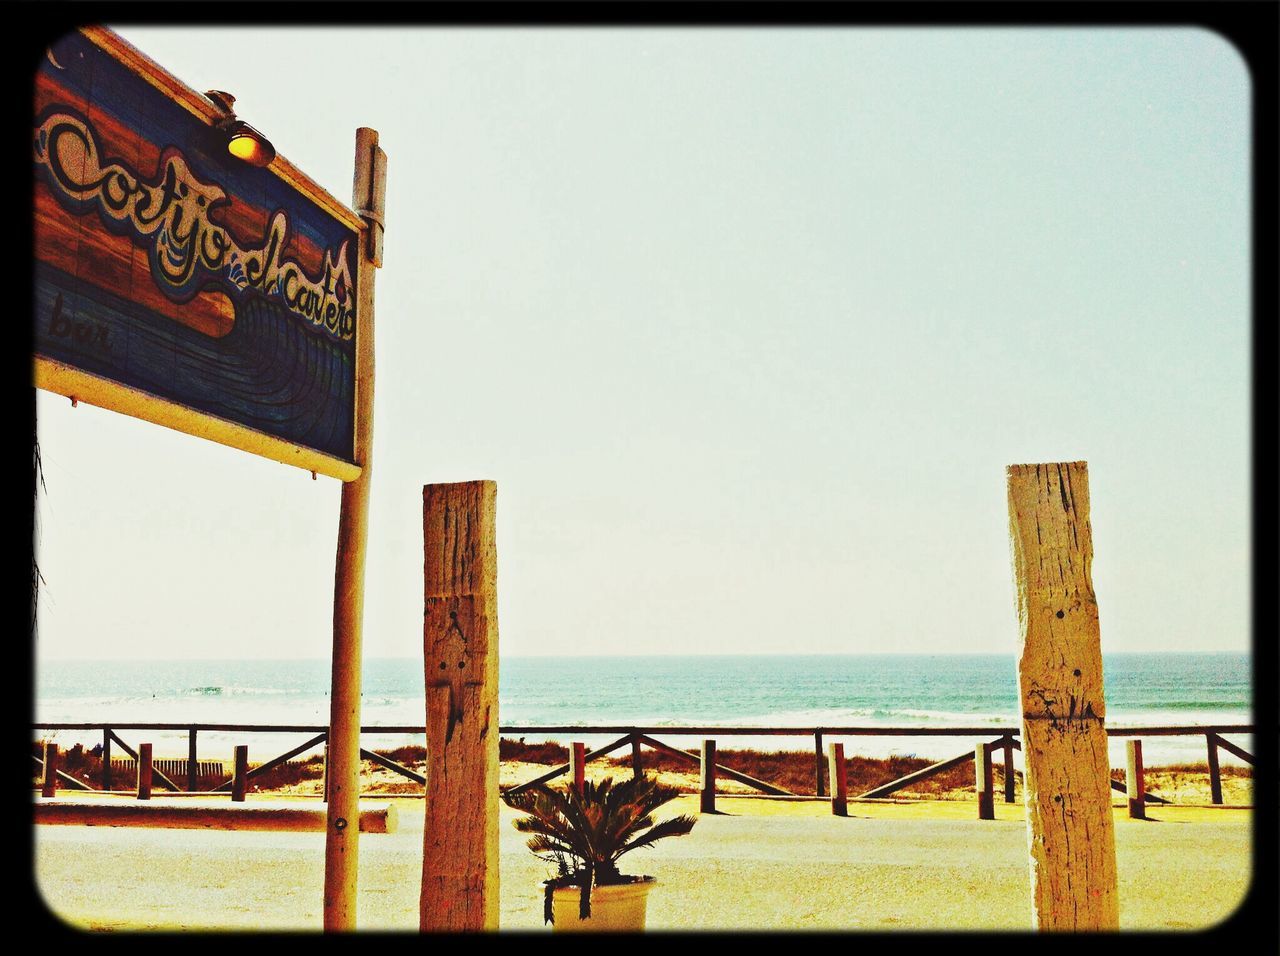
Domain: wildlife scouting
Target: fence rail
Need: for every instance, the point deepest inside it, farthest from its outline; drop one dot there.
(990, 740)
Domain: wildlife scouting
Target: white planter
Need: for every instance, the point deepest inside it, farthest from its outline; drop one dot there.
(614, 909)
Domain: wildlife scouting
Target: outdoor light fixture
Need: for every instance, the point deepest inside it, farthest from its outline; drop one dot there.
(242, 141)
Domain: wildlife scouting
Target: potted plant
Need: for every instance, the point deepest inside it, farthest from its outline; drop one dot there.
(584, 834)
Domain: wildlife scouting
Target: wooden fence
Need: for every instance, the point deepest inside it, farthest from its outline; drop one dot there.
(993, 740)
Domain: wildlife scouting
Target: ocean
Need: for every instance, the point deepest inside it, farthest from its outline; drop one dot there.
(790, 691)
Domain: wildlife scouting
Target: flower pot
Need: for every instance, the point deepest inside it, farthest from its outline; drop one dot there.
(614, 909)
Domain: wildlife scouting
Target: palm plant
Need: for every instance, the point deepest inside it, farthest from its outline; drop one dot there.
(585, 833)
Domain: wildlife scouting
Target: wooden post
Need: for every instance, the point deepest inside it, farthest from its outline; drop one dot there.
(49, 783)
(241, 774)
(818, 787)
(106, 758)
(193, 765)
(838, 771)
(637, 762)
(1215, 772)
(1067, 779)
(983, 784)
(1009, 778)
(342, 835)
(460, 645)
(1134, 785)
(708, 768)
(577, 764)
(324, 782)
(144, 771)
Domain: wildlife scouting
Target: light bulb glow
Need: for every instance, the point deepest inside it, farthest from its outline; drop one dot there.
(247, 144)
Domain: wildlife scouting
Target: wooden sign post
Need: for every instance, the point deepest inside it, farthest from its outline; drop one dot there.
(1067, 776)
(342, 753)
(229, 300)
(460, 648)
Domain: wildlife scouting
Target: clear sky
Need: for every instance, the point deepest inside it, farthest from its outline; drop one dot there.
(745, 323)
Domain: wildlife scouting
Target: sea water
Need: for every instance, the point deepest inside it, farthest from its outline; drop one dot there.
(668, 692)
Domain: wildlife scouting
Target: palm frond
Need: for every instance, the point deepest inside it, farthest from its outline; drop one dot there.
(674, 826)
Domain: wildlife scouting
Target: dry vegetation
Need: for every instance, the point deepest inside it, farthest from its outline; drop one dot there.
(791, 770)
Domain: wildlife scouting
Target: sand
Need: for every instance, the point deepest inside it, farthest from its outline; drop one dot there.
(759, 864)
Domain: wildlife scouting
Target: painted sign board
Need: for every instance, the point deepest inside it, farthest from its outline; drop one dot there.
(178, 284)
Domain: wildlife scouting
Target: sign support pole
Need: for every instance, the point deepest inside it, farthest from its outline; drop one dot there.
(342, 829)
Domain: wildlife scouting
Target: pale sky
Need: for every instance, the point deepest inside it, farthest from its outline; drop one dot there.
(746, 325)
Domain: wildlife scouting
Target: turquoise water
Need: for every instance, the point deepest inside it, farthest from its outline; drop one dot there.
(863, 690)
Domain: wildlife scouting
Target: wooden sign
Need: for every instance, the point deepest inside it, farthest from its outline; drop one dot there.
(178, 284)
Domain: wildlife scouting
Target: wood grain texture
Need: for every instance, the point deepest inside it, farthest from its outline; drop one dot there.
(1060, 682)
(460, 651)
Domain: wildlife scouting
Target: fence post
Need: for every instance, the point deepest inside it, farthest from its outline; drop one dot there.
(1215, 772)
(49, 783)
(144, 771)
(193, 764)
(106, 758)
(577, 770)
(1134, 785)
(1067, 779)
(838, 771)
(708, 790)
(1009, 778)
(324, 781)
(818, 760)
(240, 777)
(983, 784)
(637, 764)
(460, 654)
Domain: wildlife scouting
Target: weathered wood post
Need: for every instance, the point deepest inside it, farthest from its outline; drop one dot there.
(324, 787)
(193, 765)
(1009, 778)
(838, 771)
(106, 758)
(460, 646)
(1067, 779)
(144, 771)
(240, 776)
(1215, 772)
(637, 761)
(577, 764)
(707, 799)
(49, 782)
(983, 782)
(342, 766)
(818, 761)
(1135, 787)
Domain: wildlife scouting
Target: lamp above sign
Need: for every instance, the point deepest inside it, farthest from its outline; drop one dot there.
(178, 284)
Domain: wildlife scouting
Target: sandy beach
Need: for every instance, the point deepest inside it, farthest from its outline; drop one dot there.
(758, 864)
